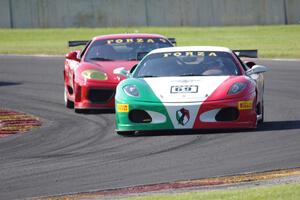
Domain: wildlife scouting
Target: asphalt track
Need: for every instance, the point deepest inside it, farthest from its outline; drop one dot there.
(80, 152)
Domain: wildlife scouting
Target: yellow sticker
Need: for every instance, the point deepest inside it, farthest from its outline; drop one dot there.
(245, 105)
(122, 107)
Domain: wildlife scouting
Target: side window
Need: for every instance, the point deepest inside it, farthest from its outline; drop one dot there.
(242, 63)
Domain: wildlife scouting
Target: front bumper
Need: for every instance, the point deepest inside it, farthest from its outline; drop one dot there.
(94, 96)
(198, 115)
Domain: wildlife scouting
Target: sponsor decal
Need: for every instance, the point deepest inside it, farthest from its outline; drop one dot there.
(188, 53)
(184, 89)
(245, 105)
(182, 116)
(184, 81)
(135, 40)
(122, 107)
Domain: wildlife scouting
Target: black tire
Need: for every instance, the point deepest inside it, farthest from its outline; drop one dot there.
(262, 113)
(79, 111)
(126, 133)
(68, 103)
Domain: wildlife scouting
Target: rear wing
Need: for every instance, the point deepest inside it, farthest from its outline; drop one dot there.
(246, 53)
(84, 42)
(77, 43)
(173, 41)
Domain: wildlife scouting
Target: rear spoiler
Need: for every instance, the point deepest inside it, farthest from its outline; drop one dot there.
(84, 42)
(246, 53)
(173, 41)
(77, 43)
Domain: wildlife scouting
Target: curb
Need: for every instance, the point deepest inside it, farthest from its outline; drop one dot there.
(180, 185)
(12, 122)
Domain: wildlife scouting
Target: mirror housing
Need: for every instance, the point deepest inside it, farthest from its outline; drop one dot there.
(73, 55)
(249, 64)
(121, 71)
(256, 69)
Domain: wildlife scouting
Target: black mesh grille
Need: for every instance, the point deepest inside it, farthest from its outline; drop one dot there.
(227, 114)
(139, 116)
(100, 95)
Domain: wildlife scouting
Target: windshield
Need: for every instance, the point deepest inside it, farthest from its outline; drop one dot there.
(124, 48)
(188, 63)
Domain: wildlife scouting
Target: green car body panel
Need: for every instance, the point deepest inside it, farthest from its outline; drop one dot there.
(147, 100)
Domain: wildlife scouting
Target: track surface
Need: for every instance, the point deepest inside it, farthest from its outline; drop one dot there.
(80, 152)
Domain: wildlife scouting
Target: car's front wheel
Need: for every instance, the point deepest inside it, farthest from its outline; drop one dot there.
(262, 113)
(68, 103)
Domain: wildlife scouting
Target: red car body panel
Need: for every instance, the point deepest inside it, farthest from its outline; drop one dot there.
(246, 118)
(77, 88)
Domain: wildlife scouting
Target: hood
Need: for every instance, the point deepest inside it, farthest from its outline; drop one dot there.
(109, 66)
(184, 89)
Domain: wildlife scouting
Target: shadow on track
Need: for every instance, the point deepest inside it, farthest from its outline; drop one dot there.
(279, 125)
(266, 126)
(9, 83)
(94, 111)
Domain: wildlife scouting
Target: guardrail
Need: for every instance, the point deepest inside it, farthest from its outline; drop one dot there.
(112, 13)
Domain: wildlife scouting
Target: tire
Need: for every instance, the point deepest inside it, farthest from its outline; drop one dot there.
(68, 103)
(126, 133)
(79, 111)
(262, 113)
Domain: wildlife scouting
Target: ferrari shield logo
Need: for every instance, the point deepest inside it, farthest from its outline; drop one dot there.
(182, 116)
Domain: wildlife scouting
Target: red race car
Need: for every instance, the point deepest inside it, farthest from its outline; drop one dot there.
(89, 80)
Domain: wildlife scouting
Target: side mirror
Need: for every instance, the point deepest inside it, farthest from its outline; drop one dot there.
(121, 71)
(249, 64)
(73, 55)
(256, 69)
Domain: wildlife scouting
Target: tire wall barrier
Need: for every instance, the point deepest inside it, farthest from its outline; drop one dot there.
(116, 13)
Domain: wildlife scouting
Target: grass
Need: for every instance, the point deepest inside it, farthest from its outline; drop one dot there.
(276, 192)
(272, 41)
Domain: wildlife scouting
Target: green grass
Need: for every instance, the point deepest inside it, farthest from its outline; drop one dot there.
(277, 192)
(271, 41)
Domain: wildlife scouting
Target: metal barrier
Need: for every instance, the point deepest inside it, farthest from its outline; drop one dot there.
(113, 13)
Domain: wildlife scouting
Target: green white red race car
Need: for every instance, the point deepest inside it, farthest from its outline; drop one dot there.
(200, 87)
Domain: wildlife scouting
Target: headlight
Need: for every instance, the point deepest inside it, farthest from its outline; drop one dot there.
(236, 88)
(94, 74)
(131, 90)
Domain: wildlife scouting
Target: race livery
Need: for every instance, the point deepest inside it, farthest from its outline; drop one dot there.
(197, 87)
(88, 74)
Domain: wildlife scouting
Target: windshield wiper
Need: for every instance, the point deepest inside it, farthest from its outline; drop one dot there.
(131, 59)
(190, 74)
(147, 76)
(100, 59)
